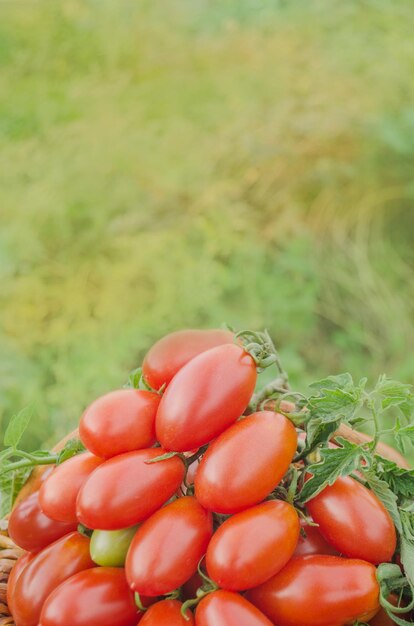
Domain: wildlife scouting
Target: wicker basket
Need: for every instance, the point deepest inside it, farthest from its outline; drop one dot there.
(9, 552)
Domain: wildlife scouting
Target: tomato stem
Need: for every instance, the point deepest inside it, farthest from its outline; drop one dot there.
(138, 602)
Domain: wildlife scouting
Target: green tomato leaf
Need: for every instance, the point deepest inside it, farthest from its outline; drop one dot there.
(17, 426)
(335, 462)
(337, 398)
(395, 394)
(72, 448)
(383, 492)
(403, 434)
(318, 431)
(10, 485)
(407, 544)
(399, 480)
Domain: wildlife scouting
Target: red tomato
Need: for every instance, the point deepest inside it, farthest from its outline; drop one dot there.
(313, 543)
(172, 352)
(246, 462)
(166, 613)
(236, 561)
(126, 490)
(31, 529)
(14, 575)
(319, 590)
(205, 397)
(58, 493)
(225, 608)
(168, 546)
(45, 572)
(120, 421)
(96, 597)
(354, 521)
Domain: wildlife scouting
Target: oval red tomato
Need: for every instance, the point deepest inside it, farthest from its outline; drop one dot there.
(126, 489)
(96, 597)
(15, 572)
(312, 541)
(166, 613)
(31, 529)
(354, 521)
(45, 572)
(252, 546)
(168, 546)
(225, 608)
(246, 462)
(120, 421)
(58, 493)
(168, 355)
(319, 590)
(205, 397)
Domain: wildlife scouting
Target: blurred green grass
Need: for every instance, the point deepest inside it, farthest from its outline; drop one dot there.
(189, 163)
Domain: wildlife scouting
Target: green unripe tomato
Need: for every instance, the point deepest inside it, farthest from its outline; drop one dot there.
(109, 547)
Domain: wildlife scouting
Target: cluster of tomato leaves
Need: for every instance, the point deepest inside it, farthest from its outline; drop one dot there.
(188, 502)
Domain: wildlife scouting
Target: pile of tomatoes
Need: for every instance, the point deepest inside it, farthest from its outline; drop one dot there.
(176, 513)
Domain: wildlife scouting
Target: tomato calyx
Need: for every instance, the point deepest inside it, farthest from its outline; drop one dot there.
(392, 580)
(138, 602)
(137, 380)
(206, 588)
(262, 349)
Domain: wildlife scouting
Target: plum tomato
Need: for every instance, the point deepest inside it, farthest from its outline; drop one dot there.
(311, 541)
(168, 546)
(126, 489)
(109, 547)
(14, 574)
(246, 462)
(166, 613)
(48, 569)
(120, 421)
(172, 352)
(96, 597)
(354, 521)
(58, 493)
(226, 608)
(205, 397)
(252, 546)
(319, 590)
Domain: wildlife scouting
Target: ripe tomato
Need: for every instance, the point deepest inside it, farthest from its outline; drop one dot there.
(109, 547)
(246, 462)
(31, 529)
(45, 572)
(14, 575)
(354, 521)
(319, 590)
(95, 597)
(58, 493)
(168, 546)
(120, 421)
(225, 608)
(236, 561)
(172, 352)
(313, 543)
(205, 397)
(125, 490)
(166, 613)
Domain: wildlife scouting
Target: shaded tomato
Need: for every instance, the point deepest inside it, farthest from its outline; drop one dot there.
(313, 542)
(120, 421)
(319, 590)
(172, 352)
(45, 572)
(252, 546)
(126, 490)
(225, 608)
(191, 586)
(95, 597)
(382, 618)
(354, 521)
(14, 574)
(205, 397)
(166, 613)
(31, 529)
(168, 546)
(58, 493)
(246, 462)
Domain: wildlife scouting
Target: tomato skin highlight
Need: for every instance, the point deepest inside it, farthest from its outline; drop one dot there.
(319, 590)
(252, 546)
(95, 597)
(120, 421)
(246, 462)
(48, 569)
(168, 546)
(166, 613)
(14, 575)
(125, 490)
(354, 521)
(31, 529)
(313, 543)
(225, 608)
(58, 493)
(168, 355)
(205, 397)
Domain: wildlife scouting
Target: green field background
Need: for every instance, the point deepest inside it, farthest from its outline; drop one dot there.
(193, 162)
